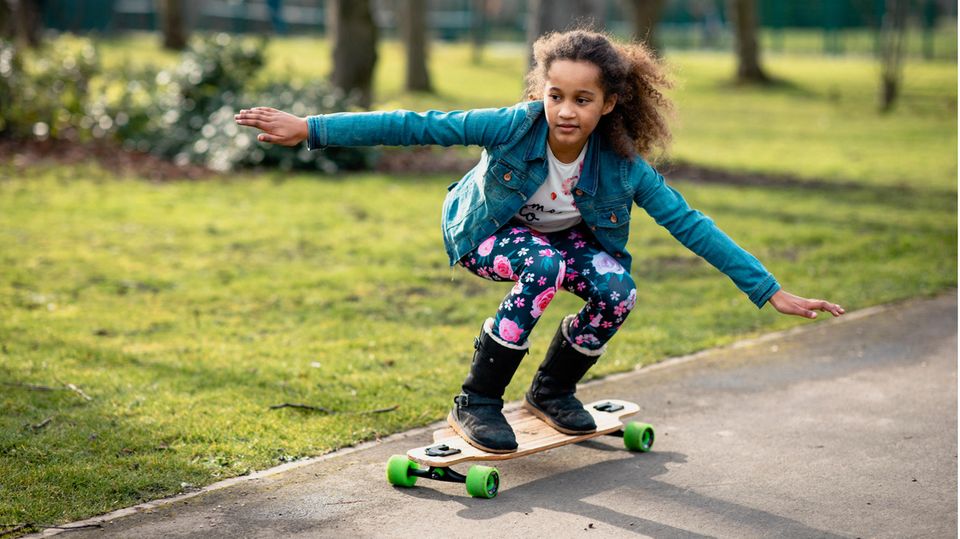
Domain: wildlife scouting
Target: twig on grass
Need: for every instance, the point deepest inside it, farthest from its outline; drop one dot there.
(380, 410)
(32, 387)
(302, 407)
(79, 391)
(42, 424)
(323, 410)
(35, 387)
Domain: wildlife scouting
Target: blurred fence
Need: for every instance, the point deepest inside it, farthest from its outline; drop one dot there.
(816, 26)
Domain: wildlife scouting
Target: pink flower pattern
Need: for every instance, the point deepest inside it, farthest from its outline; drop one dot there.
(542, 265)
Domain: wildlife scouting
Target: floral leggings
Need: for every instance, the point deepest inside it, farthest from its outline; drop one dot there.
(543, 263)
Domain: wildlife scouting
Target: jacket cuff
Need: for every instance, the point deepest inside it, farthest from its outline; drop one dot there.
(316, 133)
(764, 291)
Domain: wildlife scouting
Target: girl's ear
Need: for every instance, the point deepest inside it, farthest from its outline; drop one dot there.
(608, 104)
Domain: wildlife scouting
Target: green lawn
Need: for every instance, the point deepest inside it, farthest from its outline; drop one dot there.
(183, 311)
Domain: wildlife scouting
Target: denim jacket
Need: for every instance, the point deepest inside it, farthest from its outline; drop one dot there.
(513, 165)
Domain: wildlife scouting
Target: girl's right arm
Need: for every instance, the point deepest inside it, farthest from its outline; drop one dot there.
(482, 127)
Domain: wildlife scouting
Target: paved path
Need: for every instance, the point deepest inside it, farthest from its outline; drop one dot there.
(843, 429)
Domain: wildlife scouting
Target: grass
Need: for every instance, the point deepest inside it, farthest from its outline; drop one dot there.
(184, 311)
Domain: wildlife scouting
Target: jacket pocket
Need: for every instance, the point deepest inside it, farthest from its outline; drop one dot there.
(505, 176)
(613, 217)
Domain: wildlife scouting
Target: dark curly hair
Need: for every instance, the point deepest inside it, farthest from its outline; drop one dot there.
(638, 122)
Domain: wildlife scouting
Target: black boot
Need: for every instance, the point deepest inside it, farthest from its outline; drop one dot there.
(551, 395)
(477, 413)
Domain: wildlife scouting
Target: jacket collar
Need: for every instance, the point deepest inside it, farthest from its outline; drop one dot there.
(537, 149)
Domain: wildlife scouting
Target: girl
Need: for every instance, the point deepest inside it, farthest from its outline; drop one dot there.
(548, 207)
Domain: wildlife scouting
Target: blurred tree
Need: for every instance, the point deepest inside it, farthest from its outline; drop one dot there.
(7, 30)
(23, 21)
(646, 15)
(559, 15)
(354, 38)
(478, 29)
(172, 24)
(412, 19)
(743, 15)
(893, 33)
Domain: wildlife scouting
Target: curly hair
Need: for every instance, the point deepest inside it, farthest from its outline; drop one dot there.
(638, 122)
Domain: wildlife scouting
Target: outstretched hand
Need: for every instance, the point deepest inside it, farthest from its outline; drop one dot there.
(787, 303)
(278, 127)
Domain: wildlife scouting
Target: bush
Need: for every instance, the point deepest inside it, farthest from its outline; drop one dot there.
(44, 95)
(184, 114)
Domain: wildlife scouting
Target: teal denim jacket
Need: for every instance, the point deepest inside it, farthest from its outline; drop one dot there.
(513, 165)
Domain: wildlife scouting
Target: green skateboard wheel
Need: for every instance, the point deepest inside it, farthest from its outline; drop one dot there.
(398, 471)
(483, 481)
(638, 436)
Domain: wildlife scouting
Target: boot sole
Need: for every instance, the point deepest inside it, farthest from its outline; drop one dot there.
(533, 409)
(456, 426)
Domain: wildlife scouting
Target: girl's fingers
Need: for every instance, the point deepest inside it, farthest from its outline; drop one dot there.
(826, 306)
(264, 137)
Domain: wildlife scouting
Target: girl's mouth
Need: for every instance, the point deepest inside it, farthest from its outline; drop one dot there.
(566, 128)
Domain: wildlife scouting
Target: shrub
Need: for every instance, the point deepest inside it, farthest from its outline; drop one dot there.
(184, 113)
(44, 95)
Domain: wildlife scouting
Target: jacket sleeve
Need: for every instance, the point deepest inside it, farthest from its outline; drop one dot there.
(482, 127)
(698, 233)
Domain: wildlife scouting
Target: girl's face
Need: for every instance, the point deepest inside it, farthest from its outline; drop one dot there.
(574, 102)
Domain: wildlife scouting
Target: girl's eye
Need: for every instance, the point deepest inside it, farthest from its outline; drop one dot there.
(582, 100)
(554, 97)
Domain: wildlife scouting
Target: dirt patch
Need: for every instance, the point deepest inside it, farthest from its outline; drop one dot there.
(424, 160)
(25, 154)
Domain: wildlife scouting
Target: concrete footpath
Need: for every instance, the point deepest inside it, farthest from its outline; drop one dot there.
(846, 428)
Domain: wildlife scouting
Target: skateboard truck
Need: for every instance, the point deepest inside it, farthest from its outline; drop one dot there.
(608, 407)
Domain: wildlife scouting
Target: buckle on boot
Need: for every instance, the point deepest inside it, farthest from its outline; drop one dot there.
(464, 401)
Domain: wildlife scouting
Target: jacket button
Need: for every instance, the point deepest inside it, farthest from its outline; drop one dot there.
(579, 192)
(593, 227)
(613, 218)
(507, 176)
(618, 255)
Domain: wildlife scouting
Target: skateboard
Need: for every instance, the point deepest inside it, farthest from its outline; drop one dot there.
(533, 435)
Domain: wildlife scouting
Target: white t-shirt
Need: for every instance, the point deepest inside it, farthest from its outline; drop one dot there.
(552, 207)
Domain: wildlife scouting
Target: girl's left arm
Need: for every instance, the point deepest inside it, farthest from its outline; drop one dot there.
(698, 233)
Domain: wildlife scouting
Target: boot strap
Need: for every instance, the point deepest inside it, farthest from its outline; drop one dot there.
(465, 401)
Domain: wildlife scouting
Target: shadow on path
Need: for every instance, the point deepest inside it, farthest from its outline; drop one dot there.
(632, 478)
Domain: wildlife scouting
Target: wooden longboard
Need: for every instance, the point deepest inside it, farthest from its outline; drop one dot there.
(533, 436)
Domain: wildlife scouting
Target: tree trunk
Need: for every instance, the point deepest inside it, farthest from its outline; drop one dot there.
(412, 19)
(26, 21)
(893, 34)
(743, 15)
(354, 38)
(172, 23)
(646, 15)
(478, 29)
(7, 26)
(559, 15)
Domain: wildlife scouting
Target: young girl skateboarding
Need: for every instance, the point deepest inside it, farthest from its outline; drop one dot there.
(548, 207)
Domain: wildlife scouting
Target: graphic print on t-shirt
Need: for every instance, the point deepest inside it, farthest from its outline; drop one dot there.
(553, 207)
